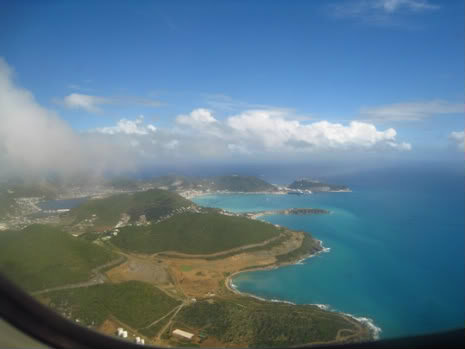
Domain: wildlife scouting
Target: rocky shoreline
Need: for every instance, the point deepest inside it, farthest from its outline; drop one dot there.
(362, 321)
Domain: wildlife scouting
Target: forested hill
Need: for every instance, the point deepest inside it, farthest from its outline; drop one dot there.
(106, 212)
(231, 183)
(237, 183)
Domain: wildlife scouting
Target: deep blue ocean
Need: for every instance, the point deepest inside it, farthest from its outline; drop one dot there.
(396, 249)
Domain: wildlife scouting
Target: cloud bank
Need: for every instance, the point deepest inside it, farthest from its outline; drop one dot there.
(35, 140)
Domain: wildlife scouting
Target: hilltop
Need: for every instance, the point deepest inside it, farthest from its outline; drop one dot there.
(230, 183)
(106, 213)
(195, 233)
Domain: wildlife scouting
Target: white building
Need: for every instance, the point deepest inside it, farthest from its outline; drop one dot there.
(183, 334)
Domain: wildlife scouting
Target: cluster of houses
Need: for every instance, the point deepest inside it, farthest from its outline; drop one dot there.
(121, 332)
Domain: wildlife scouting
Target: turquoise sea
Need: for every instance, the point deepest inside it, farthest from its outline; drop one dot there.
(396, 250)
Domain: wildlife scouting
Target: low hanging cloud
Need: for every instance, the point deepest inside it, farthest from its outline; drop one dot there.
(34, 139)
(458, 139)
(414, 111)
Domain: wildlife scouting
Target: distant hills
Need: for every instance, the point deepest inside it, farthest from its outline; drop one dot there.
(150, 205)
(231, 183)
(316, 186)
(12, 192)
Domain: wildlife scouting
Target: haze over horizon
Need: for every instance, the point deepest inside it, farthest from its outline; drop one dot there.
(113, 87)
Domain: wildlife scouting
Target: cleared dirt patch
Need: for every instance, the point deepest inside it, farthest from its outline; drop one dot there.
(146, 270)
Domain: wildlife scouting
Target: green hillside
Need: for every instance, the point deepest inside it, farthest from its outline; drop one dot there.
(234, 183)
(151, 203)
(261, 324)
(41, 256)
(195, 233)
(135, 303)
(241, 184)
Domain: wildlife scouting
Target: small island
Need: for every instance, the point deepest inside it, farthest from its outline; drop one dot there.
(314, 186)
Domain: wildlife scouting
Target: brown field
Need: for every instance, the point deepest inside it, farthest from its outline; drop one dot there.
(197, 277)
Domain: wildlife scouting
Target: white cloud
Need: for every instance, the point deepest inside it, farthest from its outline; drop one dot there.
(93, 104)
(259, 133)
(413, 5)
(379, 11)
(129, 127)
(238, 148)
(197, 118)
(272, 131)
(173, 144)
(458, 139)
(34, 140)
(413, 111)
(86, 102)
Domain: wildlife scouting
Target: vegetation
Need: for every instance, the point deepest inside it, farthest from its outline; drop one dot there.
(241, 184)
(42, 256)
(195, 233)
(267, 247)
(153, 204)
(152, 331)
(309, 246)
(122, 183)
(261, 324)
(7, 203)
(233, 183)
(16, 189)
(134, 303)
(307, 184)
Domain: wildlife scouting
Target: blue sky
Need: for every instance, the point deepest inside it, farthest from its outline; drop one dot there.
(240, 79)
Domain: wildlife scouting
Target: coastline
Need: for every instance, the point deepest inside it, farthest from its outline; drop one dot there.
(194, 194)
(363, 321)
(230, 286)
